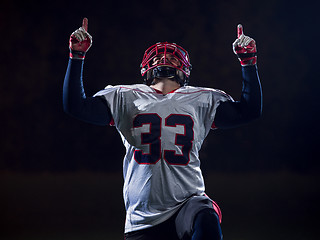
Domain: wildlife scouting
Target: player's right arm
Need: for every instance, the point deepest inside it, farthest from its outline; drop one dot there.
(75, 102)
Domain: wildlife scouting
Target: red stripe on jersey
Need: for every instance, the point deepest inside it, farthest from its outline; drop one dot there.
(158, 91)
(111, 123)
(216, 208)
(213, 126)
(176, 91)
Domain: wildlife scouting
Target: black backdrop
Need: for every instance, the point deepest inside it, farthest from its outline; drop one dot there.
(38, 137)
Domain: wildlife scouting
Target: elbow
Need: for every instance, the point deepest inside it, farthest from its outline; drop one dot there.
(260, 113)
(68, 109)
(256, 114)
(252, 112)
(66, 106)
(259, 110)
(255, 110)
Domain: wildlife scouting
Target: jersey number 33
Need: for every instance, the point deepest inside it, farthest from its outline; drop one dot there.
(153, 138)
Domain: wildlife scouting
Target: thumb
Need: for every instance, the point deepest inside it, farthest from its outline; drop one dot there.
(239, 30)
(85, 24)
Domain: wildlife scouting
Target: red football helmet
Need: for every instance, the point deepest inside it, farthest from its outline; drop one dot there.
(151, 69)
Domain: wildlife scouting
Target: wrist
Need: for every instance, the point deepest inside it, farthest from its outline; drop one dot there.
(77, 54)
(247, 59)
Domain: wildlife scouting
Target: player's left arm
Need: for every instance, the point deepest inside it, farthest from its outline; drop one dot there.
(231, 114)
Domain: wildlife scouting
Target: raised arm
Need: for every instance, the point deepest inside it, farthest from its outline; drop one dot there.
(89, 109)
(232, 114)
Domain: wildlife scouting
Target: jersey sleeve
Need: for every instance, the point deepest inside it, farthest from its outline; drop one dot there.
(112, 96)
(217, 98)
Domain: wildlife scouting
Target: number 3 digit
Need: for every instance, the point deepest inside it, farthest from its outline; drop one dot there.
(183, 140)
(152, 138)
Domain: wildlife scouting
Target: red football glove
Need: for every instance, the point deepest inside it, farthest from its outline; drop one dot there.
(80, 41)
(245, 48)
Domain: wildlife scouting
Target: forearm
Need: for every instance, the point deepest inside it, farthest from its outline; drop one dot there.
(251, 96)
(73, 93)
(232, 114)
(89, 109)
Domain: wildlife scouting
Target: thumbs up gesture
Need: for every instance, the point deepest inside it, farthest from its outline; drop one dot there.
(245, 48)
(80, 41)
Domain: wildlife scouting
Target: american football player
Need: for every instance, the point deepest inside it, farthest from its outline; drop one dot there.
(163, 123)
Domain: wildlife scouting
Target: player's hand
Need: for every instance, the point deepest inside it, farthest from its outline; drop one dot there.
(80, 41)
(245, 48)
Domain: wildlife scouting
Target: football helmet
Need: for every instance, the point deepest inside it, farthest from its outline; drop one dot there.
(152, 67)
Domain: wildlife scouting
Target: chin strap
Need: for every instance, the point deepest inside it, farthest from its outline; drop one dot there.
(166, 72)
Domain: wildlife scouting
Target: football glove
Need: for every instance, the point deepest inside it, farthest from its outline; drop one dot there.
(80, 41)
(245, 48)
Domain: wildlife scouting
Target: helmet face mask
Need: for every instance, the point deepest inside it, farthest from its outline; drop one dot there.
(174, 63)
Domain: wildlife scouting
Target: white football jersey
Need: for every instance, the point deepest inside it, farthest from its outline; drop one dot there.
(162, 135)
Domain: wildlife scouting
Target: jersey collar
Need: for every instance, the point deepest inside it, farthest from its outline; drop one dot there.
(158, 91)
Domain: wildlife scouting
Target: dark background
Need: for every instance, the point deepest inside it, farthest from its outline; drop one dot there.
(49, 157)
